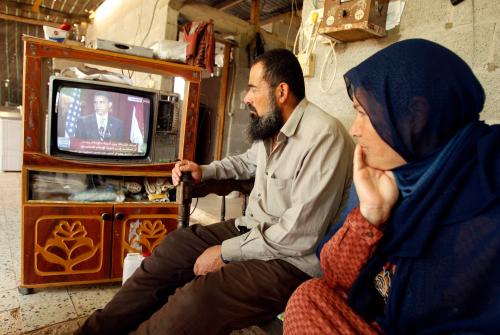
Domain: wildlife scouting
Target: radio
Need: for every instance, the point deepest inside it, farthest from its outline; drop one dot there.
(354, 20)
(168, 113)
(166, 148)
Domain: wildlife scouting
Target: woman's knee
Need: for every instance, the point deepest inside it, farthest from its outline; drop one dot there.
(303, 298)
(306, 289)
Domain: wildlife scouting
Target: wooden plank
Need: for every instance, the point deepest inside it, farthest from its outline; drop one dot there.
(255, 13)
(28, 21)
(67, 283)
(48, 49)
(25, 10)
(31, 102)
(43, 162)
(228, 4)
(219, 140)
(190, 120)
(36, 6)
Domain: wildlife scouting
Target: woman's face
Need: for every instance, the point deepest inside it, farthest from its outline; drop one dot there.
(377, 154)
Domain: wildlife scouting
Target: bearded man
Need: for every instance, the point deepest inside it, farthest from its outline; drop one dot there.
(233, 274)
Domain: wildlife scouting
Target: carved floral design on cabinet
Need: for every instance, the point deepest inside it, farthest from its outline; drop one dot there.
(68, 247)
(144, 235)
(151, 234)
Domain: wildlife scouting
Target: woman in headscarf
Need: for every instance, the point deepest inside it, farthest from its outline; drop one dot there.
(421, 253)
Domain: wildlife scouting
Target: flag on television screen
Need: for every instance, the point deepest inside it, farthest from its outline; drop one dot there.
(74, 112)
(136, 135)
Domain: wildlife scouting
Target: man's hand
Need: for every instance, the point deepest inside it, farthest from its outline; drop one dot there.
(186, 166)
(377, 190)
(209, 261)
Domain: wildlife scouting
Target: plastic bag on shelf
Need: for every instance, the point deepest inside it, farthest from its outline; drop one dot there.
(90, 73)
(170, 50)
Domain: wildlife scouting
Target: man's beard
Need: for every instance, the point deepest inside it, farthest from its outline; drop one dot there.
(266, 126)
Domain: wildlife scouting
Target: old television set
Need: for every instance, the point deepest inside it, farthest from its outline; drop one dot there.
(104, 121)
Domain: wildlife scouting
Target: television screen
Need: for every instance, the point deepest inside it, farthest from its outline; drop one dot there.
(97, 120)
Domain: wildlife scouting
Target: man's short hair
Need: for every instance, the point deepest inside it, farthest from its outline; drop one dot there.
(105, 94)
(281, 65)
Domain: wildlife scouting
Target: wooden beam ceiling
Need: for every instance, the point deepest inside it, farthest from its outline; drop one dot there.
(36, 6)
(228, 4)
(28, 21)
(25, 11)
(255, 13)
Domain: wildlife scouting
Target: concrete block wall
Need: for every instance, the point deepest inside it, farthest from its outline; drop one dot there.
(127, 21)
(135, 22)
(237, 117)
(471, 29)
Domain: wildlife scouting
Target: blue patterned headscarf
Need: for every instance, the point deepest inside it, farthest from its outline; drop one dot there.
(444, 231)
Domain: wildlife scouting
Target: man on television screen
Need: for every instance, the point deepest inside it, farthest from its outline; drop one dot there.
(101, 125)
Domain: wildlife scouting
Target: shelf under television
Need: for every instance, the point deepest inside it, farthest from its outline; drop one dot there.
(104, 203)
(59, 186)
(43, 162)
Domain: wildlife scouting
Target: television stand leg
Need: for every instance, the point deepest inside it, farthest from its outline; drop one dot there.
(25, 290)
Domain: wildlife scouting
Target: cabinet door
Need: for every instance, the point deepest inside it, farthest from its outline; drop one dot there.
(140, 228)
(66, 243)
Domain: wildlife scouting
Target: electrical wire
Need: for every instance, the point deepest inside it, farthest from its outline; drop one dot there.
(311, 41)
(130, 74)
(231, 84)
(323, 67)
(289, 26)
(300, 36)
(150, 23)
(195, 205)
(139, 22)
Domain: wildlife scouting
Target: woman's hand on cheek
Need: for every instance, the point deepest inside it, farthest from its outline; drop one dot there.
(377, 190)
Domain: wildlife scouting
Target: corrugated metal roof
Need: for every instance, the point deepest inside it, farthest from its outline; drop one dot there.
(78, 10)
(268, 8)
(51, 10)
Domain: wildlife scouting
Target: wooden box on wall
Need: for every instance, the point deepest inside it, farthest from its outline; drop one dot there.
(354, 20)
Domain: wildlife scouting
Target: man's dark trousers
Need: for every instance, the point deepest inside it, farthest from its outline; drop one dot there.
(165, 297)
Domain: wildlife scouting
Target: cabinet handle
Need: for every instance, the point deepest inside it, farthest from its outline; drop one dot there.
(106, 216)
(119, 216)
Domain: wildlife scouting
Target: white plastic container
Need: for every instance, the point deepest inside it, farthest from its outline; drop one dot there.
(54, 34)
(131, 262)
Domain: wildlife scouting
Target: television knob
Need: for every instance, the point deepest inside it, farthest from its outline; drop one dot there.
(106, 216)
(119, 216)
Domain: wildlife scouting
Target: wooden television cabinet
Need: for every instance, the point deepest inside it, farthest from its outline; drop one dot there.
(66, 240)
